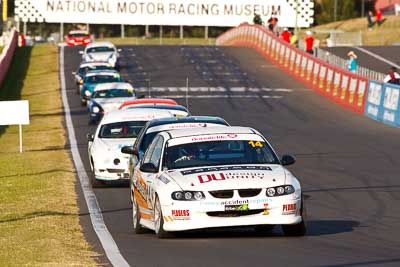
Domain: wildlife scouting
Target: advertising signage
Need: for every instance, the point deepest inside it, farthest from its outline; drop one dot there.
(165, 12)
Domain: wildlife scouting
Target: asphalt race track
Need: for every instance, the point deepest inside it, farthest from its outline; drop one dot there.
(349, 165)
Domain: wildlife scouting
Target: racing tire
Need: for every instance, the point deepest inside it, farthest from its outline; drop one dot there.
(137, 228)
(299, 229)
(159, 220)
(95, 183)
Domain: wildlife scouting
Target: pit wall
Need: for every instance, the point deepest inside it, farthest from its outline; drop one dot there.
(341, 86)
(7, 54)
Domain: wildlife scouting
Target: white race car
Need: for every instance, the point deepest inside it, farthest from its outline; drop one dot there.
(215, 177)
(101, 51)
(117, 129)
(107, 97)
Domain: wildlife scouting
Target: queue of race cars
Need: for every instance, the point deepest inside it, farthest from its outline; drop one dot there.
(185, 172)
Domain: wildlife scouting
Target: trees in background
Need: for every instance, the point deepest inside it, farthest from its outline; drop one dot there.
(345, 9)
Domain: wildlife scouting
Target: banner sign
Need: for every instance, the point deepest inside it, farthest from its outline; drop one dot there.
(165, 12)
(14, 112)
(383, 103)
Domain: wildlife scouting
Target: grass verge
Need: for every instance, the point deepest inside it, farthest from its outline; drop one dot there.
(386, 34)
(39, 220)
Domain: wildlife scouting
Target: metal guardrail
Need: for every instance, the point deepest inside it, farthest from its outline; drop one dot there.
(342, 63)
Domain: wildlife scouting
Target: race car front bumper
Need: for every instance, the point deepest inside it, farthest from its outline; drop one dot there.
(189, 215)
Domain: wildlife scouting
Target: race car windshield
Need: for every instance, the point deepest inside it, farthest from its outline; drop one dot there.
(100, 49)
(83, 70)
(226, 152)
(113, 93)
(103, 79)
(78, 35)
(125, 129)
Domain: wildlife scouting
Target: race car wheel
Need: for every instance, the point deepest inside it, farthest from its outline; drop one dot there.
(137, 228)
(298, 229)
(159, 220)
(95, 183)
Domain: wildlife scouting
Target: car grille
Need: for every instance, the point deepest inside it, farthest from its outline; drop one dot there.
(222, 193)
(115, 170)
(233, 213)
(249, 192)
(229, 193)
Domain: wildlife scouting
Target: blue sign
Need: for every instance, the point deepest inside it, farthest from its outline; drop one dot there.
(383, 103)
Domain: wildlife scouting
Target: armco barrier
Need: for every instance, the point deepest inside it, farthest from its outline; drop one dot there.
(7, 55)
(383, 103)
(343, 87)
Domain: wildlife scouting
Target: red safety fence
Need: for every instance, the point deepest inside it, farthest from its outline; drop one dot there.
(343, 87)
(7, 54)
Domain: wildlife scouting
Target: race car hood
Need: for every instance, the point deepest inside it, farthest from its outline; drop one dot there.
(109, 104)
(229, 177)
(114, 145)
(100, 56)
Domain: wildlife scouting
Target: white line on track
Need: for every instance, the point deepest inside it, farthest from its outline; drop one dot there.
(378, 57)
(219, 89)
(106, 240)
(222, 96)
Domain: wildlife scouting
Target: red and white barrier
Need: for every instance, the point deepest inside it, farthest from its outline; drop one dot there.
(343, 87)
(7, 54)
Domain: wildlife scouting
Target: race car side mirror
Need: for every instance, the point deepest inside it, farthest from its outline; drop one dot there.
(288, 160)
(129, 150)
(81, 52)
(148, 167)
(90, 137)
(73, 73)
(119, 50)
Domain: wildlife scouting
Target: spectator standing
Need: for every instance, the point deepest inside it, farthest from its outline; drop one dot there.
(272, 22)
(378, 16)
(393, 76)
(352, 63)
(369, 19)
(286, 35)
(309, 40)
(257, 19)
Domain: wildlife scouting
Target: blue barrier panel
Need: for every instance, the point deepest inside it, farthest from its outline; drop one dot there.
(391, 109)
(382, 103)
(374, 100)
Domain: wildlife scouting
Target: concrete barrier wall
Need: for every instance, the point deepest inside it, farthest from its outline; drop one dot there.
(376, 100)
(7, 55)
(341, 86)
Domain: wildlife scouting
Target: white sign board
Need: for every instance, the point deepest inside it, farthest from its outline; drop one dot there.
(14, 112)
(165, 12)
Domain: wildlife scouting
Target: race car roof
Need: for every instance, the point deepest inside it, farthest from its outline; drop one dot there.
(189, 119)
(134, 115)
(101, 72)
(160, 106)
(158, 125)
(143, 101)
(94, 63)
(78, 32)
(232, 130)
(115, 85)
(100, 44)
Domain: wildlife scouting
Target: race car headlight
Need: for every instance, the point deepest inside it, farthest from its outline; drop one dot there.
(87, 93)
(280, 190)
(271, 192)
(187, 195)
(96, 109)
